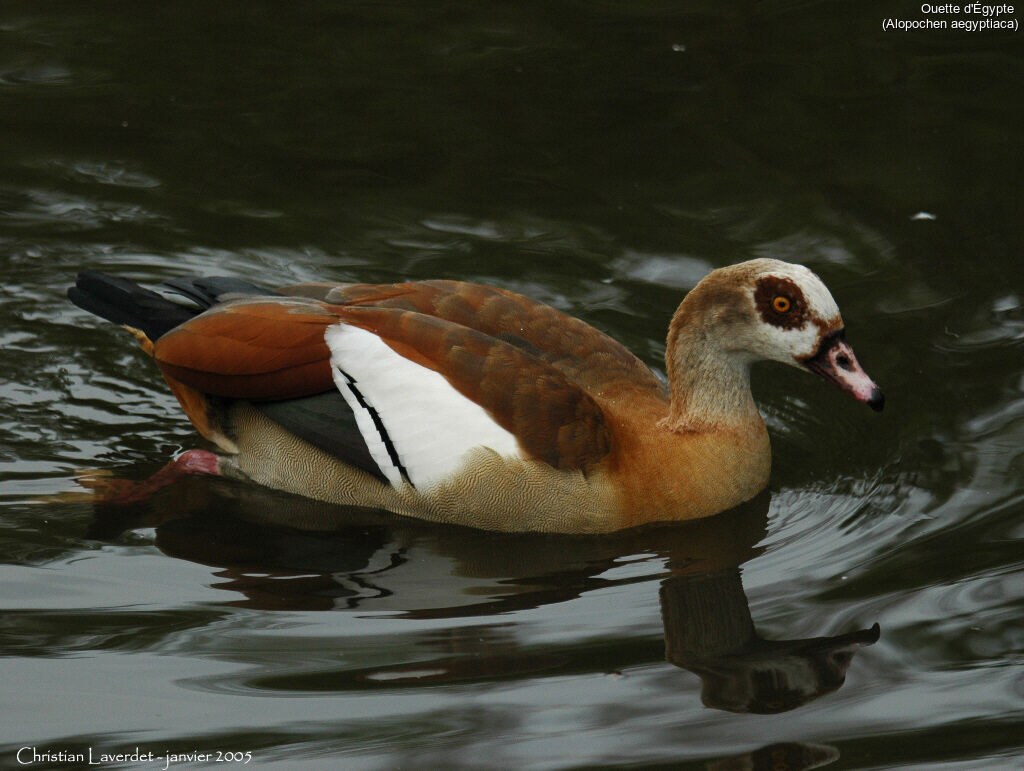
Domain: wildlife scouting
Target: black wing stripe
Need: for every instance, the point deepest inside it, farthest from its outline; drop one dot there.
(378, 424)
(325, 421)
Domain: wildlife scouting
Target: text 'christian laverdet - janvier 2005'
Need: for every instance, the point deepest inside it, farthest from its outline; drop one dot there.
(971, 17)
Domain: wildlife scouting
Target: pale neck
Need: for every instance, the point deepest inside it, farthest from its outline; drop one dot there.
(710, 386)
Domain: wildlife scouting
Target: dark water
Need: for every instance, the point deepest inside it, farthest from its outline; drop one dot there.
(601, 156)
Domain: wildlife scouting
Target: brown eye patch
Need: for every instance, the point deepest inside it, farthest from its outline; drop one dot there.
(780, 302)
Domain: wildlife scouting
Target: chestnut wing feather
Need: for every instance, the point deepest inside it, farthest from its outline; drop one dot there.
(273, 348)
(259, 348)
(553, 419)
(586, 356)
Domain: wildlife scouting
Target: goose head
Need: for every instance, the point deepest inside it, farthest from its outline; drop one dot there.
(758, 310)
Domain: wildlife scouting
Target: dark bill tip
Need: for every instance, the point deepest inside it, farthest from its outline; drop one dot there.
(876, 400)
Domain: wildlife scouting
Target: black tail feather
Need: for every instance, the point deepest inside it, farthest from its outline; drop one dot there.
(210, 289)
(124, 302)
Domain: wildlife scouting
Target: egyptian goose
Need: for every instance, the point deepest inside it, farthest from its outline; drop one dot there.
(468, 404)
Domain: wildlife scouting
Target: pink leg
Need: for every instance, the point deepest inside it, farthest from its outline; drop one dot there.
(196, 462)
(112, 490)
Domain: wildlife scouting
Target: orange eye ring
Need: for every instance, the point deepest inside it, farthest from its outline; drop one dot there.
(781, 304)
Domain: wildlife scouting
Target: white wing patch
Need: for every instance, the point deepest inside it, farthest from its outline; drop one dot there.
(416, 425)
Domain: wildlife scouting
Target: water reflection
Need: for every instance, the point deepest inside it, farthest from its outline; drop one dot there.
(275, 552)
(709, 631)
(783, 756)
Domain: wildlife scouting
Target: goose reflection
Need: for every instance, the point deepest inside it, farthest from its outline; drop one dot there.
(709, 631)
(330, 558)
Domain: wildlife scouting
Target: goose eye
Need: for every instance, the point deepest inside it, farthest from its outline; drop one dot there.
(781, 304)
